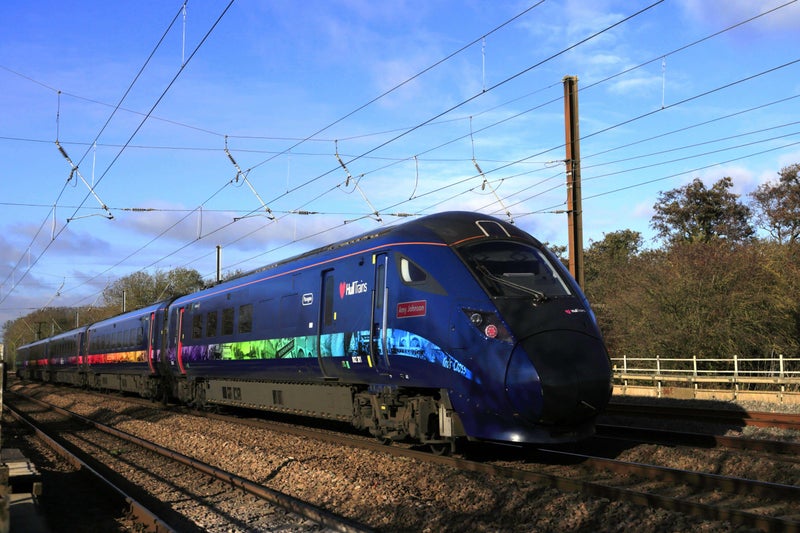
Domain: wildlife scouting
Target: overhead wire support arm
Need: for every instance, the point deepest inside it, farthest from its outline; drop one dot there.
(75, 172)
(355, 183)
(485, 181)
(243, 175)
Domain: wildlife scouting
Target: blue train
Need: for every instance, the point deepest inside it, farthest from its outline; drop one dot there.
(448, 326)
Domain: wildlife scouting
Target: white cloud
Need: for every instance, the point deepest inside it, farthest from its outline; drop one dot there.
(718, 13)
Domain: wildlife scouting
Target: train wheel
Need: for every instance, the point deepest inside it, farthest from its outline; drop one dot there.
(439, 448)
(442, 448)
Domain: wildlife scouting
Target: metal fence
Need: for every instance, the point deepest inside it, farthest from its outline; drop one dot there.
(777, 372)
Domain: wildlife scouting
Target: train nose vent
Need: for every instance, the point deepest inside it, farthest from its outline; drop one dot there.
(551, 381)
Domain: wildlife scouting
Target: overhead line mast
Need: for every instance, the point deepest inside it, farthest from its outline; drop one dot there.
(573, 162)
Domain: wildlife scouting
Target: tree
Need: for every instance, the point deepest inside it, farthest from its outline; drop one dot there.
(141, 289)
(610, 274)
(560, 251)
(777, 206)
(705, 299)
(616, 246)
(604, 258)
(695, 213)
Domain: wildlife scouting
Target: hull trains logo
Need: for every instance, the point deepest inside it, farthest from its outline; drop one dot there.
(354, 287)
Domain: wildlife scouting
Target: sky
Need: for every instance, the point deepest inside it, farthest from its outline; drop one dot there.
(142, 135)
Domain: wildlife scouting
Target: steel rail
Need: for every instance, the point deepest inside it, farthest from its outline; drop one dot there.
(646, 499)
(139, 511)
(734, 485)
(705, 440)
(307, 510)
(723, 416)
(566, 484)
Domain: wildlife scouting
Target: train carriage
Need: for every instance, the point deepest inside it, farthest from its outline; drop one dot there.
(65, 355)
(452, 325)
(122, 353)
(32, 362)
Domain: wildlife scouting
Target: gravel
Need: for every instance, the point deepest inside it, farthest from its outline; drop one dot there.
(384, 492)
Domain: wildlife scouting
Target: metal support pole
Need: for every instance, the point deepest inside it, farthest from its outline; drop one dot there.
(219, 263)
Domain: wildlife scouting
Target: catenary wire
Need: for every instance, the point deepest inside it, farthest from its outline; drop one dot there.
(164, 92)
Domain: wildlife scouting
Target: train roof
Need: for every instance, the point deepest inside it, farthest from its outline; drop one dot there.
(449, 227)
(62, 335)
(455, 227)
(130, 314)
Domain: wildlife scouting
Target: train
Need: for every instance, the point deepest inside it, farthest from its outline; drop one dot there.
(449, 327)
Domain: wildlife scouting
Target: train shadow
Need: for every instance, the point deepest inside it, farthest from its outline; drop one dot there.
(630, 422)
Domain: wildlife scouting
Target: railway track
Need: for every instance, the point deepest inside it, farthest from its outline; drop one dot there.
(183, 494)
(789, 450)
(733, 417)
(704, 496)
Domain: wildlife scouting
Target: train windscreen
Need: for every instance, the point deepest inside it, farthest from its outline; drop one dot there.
(512, 269)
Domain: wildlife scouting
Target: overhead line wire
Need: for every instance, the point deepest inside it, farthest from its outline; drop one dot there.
(163, 94)
(64, 186)
(691, 126)
(384, 94)
(695, 97)
(675, 103)
(694, 145)
(688, 45)
(370, 102)
(672, 105)
(489, 89)
(464, 102)
(441, 114)
(648, 182)
(434, 118)
(470, 177)
(408, 80)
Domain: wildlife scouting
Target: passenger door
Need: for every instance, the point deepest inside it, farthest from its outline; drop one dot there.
(380, 313)
(327, 322)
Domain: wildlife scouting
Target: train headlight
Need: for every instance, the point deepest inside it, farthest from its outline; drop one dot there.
(489, 324)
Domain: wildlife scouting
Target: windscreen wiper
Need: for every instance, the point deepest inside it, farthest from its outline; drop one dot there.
(539, 296)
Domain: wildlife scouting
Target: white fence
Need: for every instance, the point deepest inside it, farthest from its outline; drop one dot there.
(775, 377)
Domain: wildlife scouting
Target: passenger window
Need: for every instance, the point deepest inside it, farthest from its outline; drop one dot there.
(211, 324)
(197, 326)
(328, 302)
(411, 273)
(227, 321)
(380, 285)
(246, 318)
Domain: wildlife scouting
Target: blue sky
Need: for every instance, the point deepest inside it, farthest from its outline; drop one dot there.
(413, 96)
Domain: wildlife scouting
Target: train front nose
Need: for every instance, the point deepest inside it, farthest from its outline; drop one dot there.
(558, 378)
